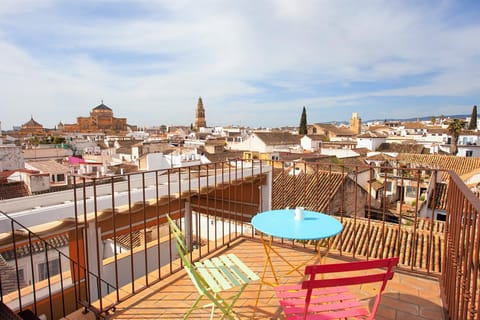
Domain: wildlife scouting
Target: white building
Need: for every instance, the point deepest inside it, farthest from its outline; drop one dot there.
(312, 142)
(58, 172)
(160, 161)
(267, 142)
(370, 140)
(468, 144)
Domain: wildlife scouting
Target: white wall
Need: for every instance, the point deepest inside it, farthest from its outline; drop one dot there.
(310, 145)
(11, 158)
(339, 153)
(157, 161)
(125, 268)
(39, 183)
(24, 263)
(370, 143)
(252, 143)
(473, 151)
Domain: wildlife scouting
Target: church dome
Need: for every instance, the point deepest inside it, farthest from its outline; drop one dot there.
(102, 107)
(32, 123)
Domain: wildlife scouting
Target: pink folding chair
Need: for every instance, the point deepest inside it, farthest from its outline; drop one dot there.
(330, 298)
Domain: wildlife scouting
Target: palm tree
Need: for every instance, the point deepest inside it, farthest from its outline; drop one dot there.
(454, 128)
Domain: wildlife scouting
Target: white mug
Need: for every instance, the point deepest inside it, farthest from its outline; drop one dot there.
(299, 215)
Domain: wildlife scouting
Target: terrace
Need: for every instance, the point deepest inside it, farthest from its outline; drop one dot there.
(121, 262)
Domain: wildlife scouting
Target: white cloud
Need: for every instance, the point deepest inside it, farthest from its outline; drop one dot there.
(254, 55)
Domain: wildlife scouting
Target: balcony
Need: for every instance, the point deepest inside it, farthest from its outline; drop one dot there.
(115, 238)
(407, 296)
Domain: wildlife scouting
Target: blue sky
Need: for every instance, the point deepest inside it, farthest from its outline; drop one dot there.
(254, 62)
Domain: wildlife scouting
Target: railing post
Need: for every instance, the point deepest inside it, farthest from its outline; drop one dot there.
(266, 196)
(91, 235)
(188, 224)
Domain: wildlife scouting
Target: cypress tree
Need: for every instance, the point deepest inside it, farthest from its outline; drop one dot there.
(473, 119)
(303, 122)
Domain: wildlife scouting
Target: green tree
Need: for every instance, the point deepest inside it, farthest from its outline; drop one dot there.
(58, 140)
(34, 141)
(473, 119)
(433, 120)
(454, 128)
(303, 122)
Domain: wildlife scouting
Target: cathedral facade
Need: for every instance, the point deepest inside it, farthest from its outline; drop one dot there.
(101, 119)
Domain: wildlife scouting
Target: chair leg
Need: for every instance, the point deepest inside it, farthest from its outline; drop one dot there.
(192, 307)
(234, 300)
(213, 308)
(219, 302)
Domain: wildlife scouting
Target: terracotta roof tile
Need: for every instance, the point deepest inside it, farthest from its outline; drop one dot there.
(461, 165)
(285, 188)
(414, 125)
(440, 196)
(37, 246)
(124, 239)
(339, 131)
(8, 277)
(401, 148)
(278, 138)
(370, 134)
(13, 190)
(48, 166)
(383, 239)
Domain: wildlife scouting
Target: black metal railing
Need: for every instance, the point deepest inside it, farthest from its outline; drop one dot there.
(35, 273)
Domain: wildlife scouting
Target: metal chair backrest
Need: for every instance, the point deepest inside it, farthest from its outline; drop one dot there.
(337, 268)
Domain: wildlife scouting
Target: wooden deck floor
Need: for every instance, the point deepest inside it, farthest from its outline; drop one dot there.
(407, 296)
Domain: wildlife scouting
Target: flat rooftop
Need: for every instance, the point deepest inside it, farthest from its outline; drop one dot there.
(407, 296)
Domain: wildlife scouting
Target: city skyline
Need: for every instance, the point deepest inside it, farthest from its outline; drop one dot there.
(254, 64)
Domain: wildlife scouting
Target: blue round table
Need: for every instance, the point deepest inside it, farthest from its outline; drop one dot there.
(282, 224)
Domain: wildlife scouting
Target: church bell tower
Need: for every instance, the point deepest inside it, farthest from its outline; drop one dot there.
(200, 116)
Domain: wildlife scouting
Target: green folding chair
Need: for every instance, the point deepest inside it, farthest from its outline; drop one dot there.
(213, 276)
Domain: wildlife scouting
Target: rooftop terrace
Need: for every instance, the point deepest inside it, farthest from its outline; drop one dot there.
(407, 296)
(117, 239)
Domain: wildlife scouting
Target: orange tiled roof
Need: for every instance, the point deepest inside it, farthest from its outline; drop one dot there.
(381, 157)
(278, 138)
(36, 247)
(13, 190)
(414, 125)
(367, 238)
(136, 239)
(370, 134)
(8, 276)
(440, 196)
(461, 165)
(285, 190)
(401, 148)
(339, 131)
